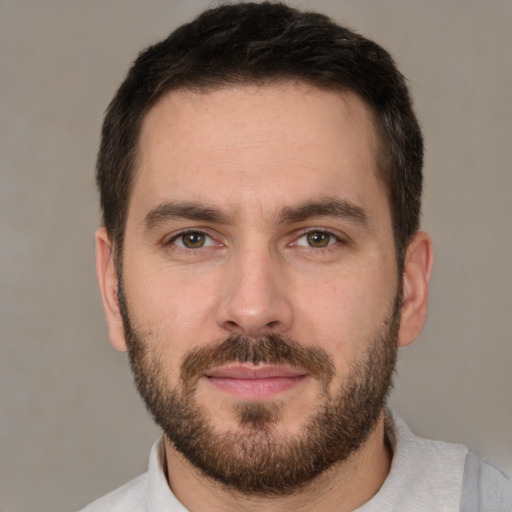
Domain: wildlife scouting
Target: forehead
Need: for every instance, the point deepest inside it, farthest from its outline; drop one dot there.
(257, 145)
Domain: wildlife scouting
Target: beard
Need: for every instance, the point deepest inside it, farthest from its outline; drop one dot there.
(256, 459)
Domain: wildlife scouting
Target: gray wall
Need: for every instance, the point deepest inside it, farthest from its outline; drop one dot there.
(71, 425)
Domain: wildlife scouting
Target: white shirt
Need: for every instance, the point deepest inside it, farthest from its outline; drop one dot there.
(424, 476)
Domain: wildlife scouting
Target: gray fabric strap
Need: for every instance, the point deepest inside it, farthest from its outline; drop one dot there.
(470, 489)
(484, 488)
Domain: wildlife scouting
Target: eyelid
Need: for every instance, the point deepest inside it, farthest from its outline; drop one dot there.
(335, 234)
(187, 231)
(332, 240)
(338, 237)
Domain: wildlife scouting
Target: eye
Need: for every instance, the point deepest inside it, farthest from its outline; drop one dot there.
(317, 239)
(192, 240)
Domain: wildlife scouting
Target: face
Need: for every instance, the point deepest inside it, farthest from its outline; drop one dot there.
(259, 284)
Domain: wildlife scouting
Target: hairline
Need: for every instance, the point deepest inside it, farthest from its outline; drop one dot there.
(382, 153)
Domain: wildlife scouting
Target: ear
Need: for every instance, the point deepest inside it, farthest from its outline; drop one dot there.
(418, 268)
(108, 280)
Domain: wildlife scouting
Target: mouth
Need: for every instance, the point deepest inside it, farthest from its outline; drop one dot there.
(250, 382)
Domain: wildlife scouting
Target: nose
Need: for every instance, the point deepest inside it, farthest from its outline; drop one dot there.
(254, 295)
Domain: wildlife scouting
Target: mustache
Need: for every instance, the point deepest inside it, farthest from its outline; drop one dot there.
(268, 349)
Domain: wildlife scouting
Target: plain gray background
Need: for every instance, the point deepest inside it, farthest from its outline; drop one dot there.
(71, 424)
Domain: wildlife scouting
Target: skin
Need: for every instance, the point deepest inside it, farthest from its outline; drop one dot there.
(251, 153)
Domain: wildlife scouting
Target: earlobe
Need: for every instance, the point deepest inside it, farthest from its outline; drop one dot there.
(418, 269)
(108, 281)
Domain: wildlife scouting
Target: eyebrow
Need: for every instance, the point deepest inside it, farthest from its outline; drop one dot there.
(183, 210)
(327, 207)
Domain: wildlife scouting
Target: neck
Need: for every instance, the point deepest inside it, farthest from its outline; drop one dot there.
(342, 488)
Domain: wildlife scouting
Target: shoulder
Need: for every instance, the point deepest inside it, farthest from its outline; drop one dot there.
(484, 487)
(426, 456)
(128, 498)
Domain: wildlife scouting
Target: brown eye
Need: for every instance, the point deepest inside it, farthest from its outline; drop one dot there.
(319, 239)
(193, 240)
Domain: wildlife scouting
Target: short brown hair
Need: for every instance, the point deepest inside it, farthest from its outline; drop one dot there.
(261, 43)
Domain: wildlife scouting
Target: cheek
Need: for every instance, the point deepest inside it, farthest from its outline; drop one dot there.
(172, 307)
(342, 313)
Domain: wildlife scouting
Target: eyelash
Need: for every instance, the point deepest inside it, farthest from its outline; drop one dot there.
(333, 239)
(189, 232)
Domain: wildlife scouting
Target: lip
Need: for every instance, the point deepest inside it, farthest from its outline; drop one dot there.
(249, 382)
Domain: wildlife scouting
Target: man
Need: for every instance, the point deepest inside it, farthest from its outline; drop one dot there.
(261, 261)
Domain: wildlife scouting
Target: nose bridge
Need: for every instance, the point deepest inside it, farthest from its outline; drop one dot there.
(255, 300)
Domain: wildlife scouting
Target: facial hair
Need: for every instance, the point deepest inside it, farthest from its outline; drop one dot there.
(255, 459)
